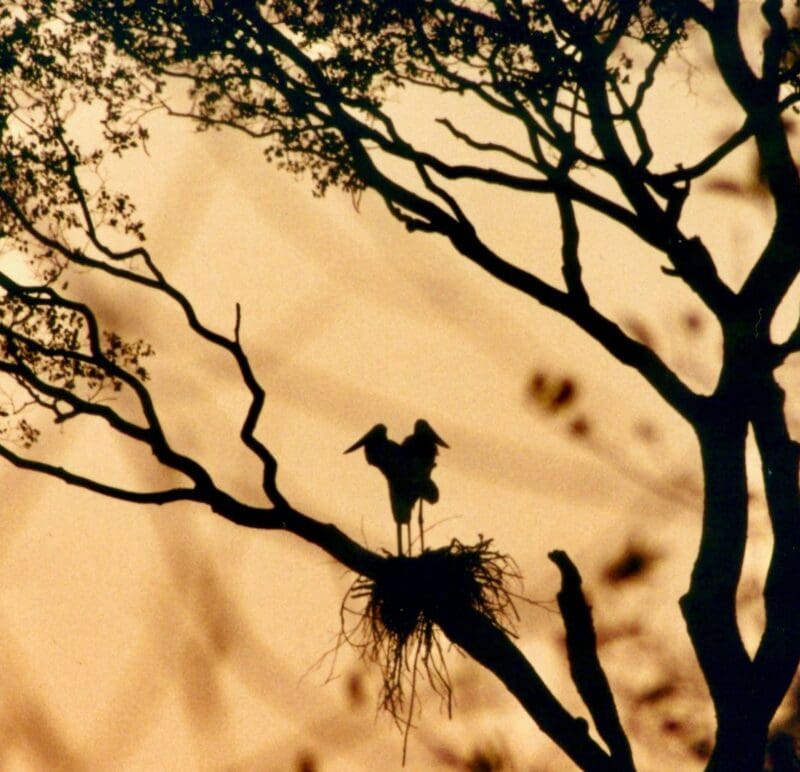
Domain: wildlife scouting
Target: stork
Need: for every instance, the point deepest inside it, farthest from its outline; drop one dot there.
(407, 469)
(386, 455)
(419, 451)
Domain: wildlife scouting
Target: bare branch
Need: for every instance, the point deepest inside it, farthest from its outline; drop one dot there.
(111, 491)
(492, 648)
(775, 45)
(587, 672)
(571, 264)
(738, 138)
(491, 147)
(270, 465)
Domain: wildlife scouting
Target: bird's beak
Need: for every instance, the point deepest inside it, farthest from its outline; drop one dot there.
(357, 445)
(438, 440)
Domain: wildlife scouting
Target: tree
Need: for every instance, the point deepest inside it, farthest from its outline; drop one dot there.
(317, 84)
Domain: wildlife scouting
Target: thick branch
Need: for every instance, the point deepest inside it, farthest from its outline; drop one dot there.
(722, 25)
(779, 264)
(490, 646)
(779, 651)
(775, 45)
(587, 672)
(602, 329)
(709, 607)
(468, 629)
(693, 264)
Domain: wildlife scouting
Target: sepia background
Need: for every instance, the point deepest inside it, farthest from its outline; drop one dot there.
(141, 638)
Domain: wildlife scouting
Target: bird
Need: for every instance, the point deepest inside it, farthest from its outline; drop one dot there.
(419, 451)
(379, 449)
(385, 454)
(406, 467)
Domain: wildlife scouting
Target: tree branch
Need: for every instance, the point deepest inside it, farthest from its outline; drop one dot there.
(692, 262)
(603, 330)
(682, 174)
(775, 45)
(493, 649)
(779, 650)
(709, 607)
(269, 463)
(570, 259)
(111, 491)
(587, 672)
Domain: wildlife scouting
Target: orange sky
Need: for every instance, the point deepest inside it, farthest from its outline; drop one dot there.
(144, 638)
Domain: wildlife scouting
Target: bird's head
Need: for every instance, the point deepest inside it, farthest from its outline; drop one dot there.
(376, 433)
(423, 429)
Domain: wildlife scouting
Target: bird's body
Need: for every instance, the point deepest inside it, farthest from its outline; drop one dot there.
(420, 450)
(379, 450)
(407, 468)
(386, 455)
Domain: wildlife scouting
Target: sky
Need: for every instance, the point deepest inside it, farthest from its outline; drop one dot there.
(165, 638)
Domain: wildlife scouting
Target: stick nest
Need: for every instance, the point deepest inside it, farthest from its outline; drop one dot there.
(396, 626)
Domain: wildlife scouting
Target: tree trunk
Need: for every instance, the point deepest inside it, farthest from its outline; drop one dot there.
(746, 692)
(709, 607)
(740, 743)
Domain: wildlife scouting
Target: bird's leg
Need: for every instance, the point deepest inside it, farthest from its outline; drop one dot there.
(421, 530)
(399, 540)
(409, 538)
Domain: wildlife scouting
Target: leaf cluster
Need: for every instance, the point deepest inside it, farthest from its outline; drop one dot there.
(56, 74)
(315, 78)
(56, 210)
(52, 349)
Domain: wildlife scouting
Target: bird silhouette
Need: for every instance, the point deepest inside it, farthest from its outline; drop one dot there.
(407, 469)
(385, 454)
(419, 451)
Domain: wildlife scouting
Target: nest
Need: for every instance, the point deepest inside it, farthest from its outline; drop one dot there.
(396, 628)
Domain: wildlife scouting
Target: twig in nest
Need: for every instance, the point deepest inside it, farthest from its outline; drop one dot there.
(396, 626)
